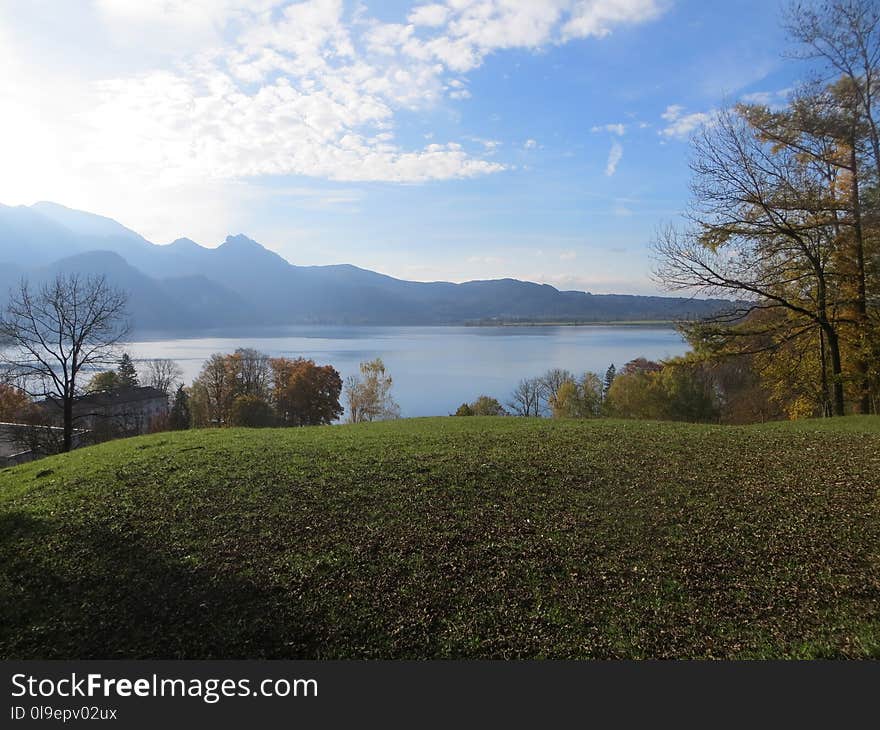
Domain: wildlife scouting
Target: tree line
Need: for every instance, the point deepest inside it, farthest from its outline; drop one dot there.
(674, 390)
(60, 337)
(785, 219)
(248, 388)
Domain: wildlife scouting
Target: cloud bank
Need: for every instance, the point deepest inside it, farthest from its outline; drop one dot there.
(310, 88)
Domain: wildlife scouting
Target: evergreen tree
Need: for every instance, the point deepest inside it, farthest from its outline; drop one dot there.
(610, 374)
(128, 377)
(180, 417)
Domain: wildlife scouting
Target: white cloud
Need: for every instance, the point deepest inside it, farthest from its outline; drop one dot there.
(459, 90)
(290, 97)
(290, 93)
(614, 156)
(681, 125)
(469, 30)
(490, 145)
(530, 144)
(187, 100)
(598, 17)
(618, 129)
(568, 255)
(429, 15)
(772, 99)
(174, 25)
(673, 112)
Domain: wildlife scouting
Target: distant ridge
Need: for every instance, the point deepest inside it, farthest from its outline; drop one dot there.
(183, 287)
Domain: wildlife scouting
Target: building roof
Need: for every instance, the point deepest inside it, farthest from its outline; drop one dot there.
(115, 397)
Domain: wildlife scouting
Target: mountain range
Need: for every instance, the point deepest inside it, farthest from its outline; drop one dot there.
(183, 287)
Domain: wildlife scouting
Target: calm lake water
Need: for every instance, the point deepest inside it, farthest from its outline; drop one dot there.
(435, 369)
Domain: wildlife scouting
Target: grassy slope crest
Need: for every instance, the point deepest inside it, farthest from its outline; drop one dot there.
(449, 537)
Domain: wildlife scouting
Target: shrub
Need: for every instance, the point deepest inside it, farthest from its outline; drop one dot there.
(483, 406)
(251, 411)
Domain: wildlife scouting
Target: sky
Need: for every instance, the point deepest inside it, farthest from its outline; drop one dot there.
(544, 140)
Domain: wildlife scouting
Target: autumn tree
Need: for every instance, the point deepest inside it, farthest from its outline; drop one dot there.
(824, 124)
(760, 230)
(14, 403)
(578, 398)
(749, 388)
(251, 411)
(844, 35)
(305, 394)
(299, 392)
(550, 382)
(105, 380)
(685, 392)
(681, 390)
(368, 396)
(200, 414)
(484, 405)
(633, 395)
(58, 330)
(641, 365)
(785, 220)
(249, 373)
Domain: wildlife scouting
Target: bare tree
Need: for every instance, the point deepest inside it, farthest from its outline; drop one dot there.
(66, 325)
(527, 398)
(162, 374)
(551, 382)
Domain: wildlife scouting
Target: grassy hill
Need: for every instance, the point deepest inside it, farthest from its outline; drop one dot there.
(449, 538)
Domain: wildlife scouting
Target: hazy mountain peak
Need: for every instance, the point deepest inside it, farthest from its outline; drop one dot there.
(241, 241)
(82, 223)
(241, 245)
(184, 244)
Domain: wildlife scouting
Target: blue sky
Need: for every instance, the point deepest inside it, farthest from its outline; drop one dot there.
(451, 140)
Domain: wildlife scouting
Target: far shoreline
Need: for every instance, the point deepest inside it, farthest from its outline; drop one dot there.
(284, 330)
(664, 323)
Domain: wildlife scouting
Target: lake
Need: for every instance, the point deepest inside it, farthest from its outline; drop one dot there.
(435, 369)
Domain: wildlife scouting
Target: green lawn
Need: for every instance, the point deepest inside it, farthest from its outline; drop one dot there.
(449, 537)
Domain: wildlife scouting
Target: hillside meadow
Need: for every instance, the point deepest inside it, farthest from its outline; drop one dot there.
(450, 537)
